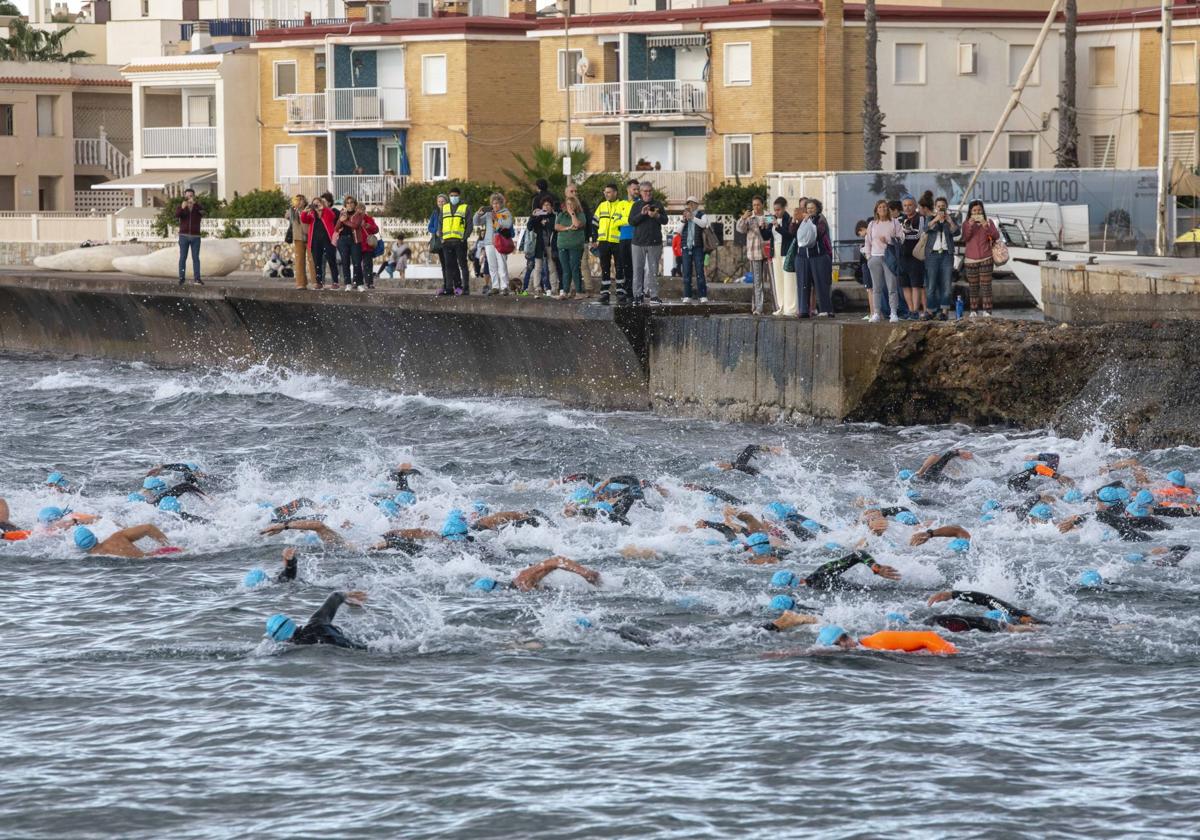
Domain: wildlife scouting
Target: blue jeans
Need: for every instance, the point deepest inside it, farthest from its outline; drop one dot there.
(351, 254)
(189, 241)
(938, 269)
(693, 265)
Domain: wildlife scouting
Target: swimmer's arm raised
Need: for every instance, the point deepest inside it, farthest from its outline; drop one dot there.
(922, 537)
(138, 532)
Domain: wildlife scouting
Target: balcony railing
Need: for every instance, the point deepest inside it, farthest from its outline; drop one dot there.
(97, 151)
(366, 106)
(305, 111)
(677, 185)
(184, 142)
(646, 98)
(248, 27)
(372, 190)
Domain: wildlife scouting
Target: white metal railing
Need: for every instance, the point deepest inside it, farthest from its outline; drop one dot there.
(97, 151)
(372, 190)
(366, 105)
(677, 185)
(661, 97)
(179, 141)
(305, 111)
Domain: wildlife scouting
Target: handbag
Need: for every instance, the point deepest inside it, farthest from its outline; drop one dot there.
(372, 241)
(503, 244)
(919, 249)
(806, 234)
(789, 260)
(709, 237)
(999, 252)
(435, 244)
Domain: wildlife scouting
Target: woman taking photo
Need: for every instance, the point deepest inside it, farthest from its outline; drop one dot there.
(978, 234)
(571, 225)
(882, 231)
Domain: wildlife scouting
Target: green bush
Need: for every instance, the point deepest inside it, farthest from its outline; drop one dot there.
(232, 231)
(416, 201)
(211, 205)
(257, 204)
(731, 199)
(592, 189)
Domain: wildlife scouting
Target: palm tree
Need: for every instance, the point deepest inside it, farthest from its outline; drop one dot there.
(24, 43)
(1066, 156)
(872, 118)
(546, 162)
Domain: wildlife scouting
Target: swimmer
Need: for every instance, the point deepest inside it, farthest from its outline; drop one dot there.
(1044, 465)
(899, 641)
(327, 534)
(931, 470)
(982, 599)
(400, 476)
(409, 540)
(728, 498)
(291, 511)
(1001, 617)
(123, 542)
(319, 629)
(531, 577)
(9, 531)
(789, 619)
(800, 525)
(58, 519)
(257, 577)
(58, 482)
(170, 504)
(189, 473)
(516, 518)
(1130, 522)
(876, 519)
(951, 532)
(742, 462)
(828, 577)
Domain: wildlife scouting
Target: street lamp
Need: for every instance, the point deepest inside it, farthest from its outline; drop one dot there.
(564, 7)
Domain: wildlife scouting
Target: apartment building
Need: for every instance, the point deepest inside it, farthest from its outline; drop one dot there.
(63, 127)
(359, 108)
(690, 97)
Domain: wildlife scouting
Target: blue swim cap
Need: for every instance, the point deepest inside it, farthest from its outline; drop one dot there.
(906, 517)
(715, 541)
(56, 478)
(253, 578)
(897, 617)
(136, 497)
(987, 517)
(1091, 578)
(832, 546)
(615, 486)
(50, 514)
(959, 544)
(480, 508)
(606, 507)
(1030, 465)
(170, 504)
(405, 498)
(583, 496)
(154, 483)
(193, 466)
(85, 539)
(779, 511)
(990, 504)
(810, 525)
(1123, 492)
(782, 602)
(1072, 495)
(485, 584)
(1177, 478)
(829, 636)
(913, 494)
(783, 578)
(584, 622)
(905, 475)
(1041, 511)
(1109, 495)
(455, 527)
(1144, 497)
(388, 507)
(998, 615)
(1134, 509)
(309, 538)
(1133, 557)
(759, 543)
(280, 627)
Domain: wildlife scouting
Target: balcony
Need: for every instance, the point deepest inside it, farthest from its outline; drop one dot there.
(366, 107)
(305, 112)
(677, 185)
(649, 98)
(372, 190)
(249, 27)
(179, 142)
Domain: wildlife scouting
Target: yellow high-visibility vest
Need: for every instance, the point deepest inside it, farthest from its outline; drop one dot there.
(454, 221)
(610, 216)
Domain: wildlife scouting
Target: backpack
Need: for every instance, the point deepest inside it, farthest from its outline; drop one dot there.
(806, 234)
(709, 237)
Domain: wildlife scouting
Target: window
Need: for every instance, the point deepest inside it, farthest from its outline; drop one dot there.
(1018, 54)
(1104, 66)
(45, 116)
(908, 151)
(433, 75)
(201, 110)
(1183, 63)
(1181, 146)
(285, 78)
(145, 8)
(967, 54)
(576, 145)
(737, 64)
(909, 65)
(568, 68)
(739, 158)
(287, 164)
(1104, 151)
(966, 149)
(6, 120)
(436, 161)
(1020, 151)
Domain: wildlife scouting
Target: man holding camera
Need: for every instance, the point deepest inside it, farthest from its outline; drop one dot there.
(189, 215)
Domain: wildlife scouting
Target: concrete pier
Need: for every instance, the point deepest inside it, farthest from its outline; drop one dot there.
(1137, 289)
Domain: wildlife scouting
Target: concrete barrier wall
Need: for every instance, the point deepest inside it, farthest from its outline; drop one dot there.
(1113, 292)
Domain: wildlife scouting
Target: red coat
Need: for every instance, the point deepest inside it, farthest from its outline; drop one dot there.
(328, 217)
(368, 228)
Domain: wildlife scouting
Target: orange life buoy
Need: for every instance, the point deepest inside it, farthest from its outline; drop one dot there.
(14, 536)
(908, 641)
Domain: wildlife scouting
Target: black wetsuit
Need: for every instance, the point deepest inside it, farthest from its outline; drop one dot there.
(934, 474)
(964, 623)
(181, 489)
(991, 602)
(290, 512)
(828, 577)
(405, 544)
(742, 462)
(532, 518)
(189, 476)
(289, 570)
(401, 478)
(722, 529)
(320, 629)
(1122, 524)
(1174, 555)
(1020, 481)
(713, 491)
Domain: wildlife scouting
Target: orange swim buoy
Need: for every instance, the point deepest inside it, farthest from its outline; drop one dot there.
(1042, 469)
(908, 641)
(15, 536)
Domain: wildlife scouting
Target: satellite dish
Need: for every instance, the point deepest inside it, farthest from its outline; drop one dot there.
(583, 66)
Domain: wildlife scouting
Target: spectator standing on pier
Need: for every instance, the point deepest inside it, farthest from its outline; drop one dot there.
(571, 226)
(321, 219)
(785, 281)
(632, 195)
(610, 219)
(912, 270)
(435, 234)
(457, 279)
(940, 234)
(978, 234)
(691, 235)
(496, 220)
(544, 242)
(189, 214)
(349, 244)
(882, 231)
(299, 239)
(369, 242)
(815, 271)
(756, 226)
(648, 217)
